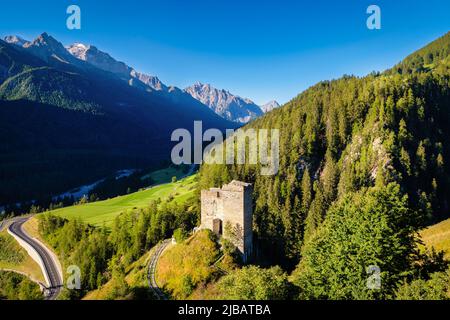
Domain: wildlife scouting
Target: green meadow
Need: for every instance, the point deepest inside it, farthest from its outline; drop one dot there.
(102, 213)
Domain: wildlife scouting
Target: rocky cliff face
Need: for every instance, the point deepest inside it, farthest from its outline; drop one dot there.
(99, 59)
(104, 61)
(225, 104)
(270, 106)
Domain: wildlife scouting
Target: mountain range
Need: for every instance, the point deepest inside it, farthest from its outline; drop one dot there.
(228, 106)
(222, 102)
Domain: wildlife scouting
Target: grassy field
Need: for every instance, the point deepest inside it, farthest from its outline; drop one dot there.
(438, 236)
(102, 213)
(14, 257)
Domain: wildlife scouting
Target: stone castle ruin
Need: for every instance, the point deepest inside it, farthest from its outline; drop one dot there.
(228, 212)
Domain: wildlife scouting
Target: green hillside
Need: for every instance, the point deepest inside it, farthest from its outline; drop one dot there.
(103, 212)
(135, 224)
(379, 141)
(204, 267)
(14, 257)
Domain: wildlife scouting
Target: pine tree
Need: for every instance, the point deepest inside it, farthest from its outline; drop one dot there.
(306, 192)
(421, 157)
(315, 213)
(371, 227)
(330, 179)
(405, 160)
(403, 134)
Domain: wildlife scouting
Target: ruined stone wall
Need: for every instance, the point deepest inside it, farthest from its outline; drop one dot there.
(211, 207)
(233, 206)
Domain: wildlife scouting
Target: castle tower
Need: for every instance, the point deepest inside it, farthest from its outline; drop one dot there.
(228, 213)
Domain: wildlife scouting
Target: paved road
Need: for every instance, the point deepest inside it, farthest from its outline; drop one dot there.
(152, 270)
(50, 265)
(5, 223)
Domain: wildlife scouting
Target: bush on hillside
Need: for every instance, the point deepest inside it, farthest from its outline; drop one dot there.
(187, 265)
(254, 283)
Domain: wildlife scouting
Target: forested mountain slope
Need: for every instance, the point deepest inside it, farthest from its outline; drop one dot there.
(340, 137)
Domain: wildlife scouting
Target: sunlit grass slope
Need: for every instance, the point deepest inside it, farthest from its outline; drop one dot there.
(14, 257)
(102, 213)
(438, 236)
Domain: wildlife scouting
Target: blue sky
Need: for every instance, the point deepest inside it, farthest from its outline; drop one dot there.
(262, 50)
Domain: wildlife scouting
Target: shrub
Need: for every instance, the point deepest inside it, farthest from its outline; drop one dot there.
(254, 283)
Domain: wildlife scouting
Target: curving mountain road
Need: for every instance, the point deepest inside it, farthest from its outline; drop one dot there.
(152, 270)
(6, 222)
(50, 265)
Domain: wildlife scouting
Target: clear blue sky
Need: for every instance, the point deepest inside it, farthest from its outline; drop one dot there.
(261, 49)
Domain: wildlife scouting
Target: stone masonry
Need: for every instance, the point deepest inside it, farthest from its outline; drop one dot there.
(228, 213)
